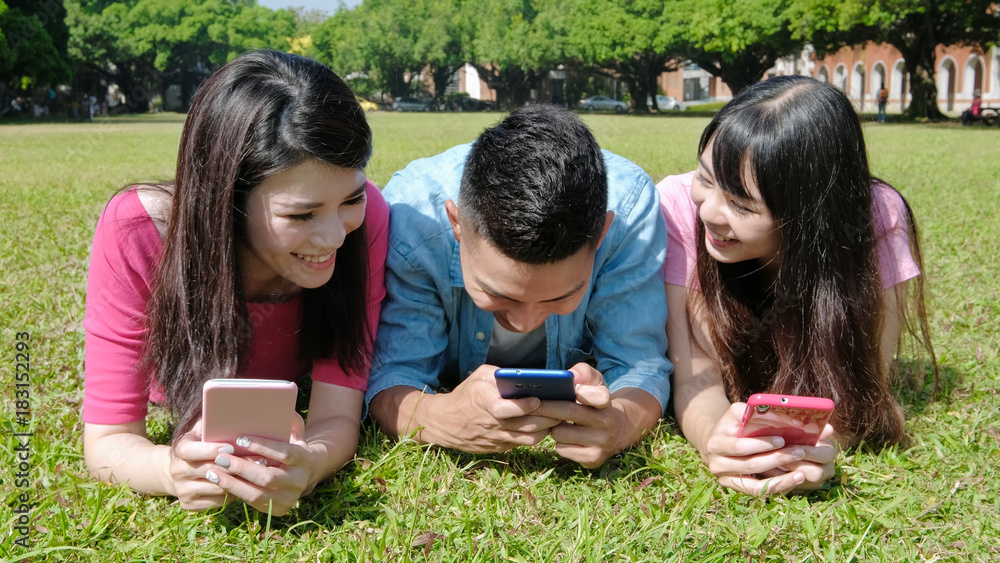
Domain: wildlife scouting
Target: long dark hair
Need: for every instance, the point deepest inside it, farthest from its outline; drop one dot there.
(260, 114)
(816, 327)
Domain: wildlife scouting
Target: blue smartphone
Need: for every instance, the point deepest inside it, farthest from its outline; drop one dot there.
(546, 384)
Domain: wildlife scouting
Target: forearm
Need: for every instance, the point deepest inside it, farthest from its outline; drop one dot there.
(133, 460)
(641, 412)
(698, 410)
(333, 442)
(399, 411)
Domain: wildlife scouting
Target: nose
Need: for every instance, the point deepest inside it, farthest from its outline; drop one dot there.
(527, 317)
(330, 234)
(711, 207)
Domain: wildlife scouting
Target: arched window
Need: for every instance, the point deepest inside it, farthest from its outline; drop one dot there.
(972, 76)
(858, 85)
(900, 83)
(947, 82)
(879, 79)
(840, 77)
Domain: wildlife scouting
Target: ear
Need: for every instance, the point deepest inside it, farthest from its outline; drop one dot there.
(608, 218)
(452, 210)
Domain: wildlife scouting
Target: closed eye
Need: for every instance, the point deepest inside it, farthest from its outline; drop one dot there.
(301, 216)
(740, 209)
(356, 200)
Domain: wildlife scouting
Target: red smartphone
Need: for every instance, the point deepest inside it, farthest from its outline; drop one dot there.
(799, 420)
(232, 408)
(546, 384)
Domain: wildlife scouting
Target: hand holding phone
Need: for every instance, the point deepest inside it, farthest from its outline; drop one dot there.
(247, 407)
(546, 384)
(799, 420)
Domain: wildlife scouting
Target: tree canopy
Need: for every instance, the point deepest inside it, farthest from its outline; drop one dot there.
(635, 40)
(33, 38)
(914, 27)
(396, 48)
(738, 41)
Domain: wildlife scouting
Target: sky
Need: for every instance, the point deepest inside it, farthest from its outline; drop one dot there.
(328, 6)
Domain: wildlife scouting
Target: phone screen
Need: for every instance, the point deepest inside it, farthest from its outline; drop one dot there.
(247, 407)
(546, 384)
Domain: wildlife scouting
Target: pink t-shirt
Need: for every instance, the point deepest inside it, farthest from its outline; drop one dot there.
(895, 262)
(126, 250)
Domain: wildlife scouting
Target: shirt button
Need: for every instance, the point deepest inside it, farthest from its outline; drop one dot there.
(480, 336)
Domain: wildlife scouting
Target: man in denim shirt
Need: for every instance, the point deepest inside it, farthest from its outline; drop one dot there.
(529, 248)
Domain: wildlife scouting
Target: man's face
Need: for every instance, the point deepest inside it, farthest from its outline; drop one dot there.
(521, 296)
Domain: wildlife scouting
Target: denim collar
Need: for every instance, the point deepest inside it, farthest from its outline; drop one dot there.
(455, 271)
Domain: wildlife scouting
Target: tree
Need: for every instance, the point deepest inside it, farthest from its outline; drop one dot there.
(377, 38)
(631, 39)
(139, 44)
(441, 40)
(514, 42)
(738, 41)
(32, 52)
(914, 27)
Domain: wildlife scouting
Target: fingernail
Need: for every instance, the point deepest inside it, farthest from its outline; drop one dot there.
(798, 477)
(222, 461)
(227, 449)
(797, 452)
(778, 442)
(211, 476)
(243, 442)
(534, 403)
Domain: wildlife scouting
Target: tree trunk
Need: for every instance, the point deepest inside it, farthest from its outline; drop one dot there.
(744, 69)
(442, 75)
(923, 86)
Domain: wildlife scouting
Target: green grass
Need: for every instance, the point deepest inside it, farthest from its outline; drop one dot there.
(935, 501)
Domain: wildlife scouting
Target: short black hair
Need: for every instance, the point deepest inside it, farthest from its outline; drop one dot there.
(535, 186)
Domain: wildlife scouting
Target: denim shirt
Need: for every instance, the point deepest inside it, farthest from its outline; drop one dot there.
(431, 335)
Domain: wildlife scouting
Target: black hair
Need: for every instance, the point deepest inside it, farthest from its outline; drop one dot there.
(261, 114)
(535, 186)
(815, 328)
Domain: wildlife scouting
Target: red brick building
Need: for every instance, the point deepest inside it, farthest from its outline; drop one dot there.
(862, 71)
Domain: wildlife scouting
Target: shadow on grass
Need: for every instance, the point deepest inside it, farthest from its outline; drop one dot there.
(118, 119)
(334, 502)
(914, 385)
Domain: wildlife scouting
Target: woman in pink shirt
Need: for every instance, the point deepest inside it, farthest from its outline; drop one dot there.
(787, 272)
(263, 258)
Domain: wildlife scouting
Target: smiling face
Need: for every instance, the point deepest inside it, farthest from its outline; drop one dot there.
(521, 296)
(736, 229)
(296, 221)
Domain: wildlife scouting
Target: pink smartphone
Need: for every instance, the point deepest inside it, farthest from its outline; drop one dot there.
(232, 408)
(799, 420)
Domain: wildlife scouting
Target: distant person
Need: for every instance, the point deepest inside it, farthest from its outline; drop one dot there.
(789, 270)
(883, 99)
(262, 259)
(975, 111)
(529, 248)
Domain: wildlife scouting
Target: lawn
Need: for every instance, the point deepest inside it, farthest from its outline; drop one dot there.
(937, 500)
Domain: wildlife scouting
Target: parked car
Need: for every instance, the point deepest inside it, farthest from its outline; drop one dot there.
(602, 103)
(412, 104)
(666, 103)
(367, 105)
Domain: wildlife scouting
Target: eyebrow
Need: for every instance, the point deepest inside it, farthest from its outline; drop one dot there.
(309, 205)
(705, 167)
(485, 287)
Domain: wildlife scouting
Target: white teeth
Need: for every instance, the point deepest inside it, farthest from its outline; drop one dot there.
(313, 259)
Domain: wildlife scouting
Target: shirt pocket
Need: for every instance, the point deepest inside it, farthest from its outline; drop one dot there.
(584, 350)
